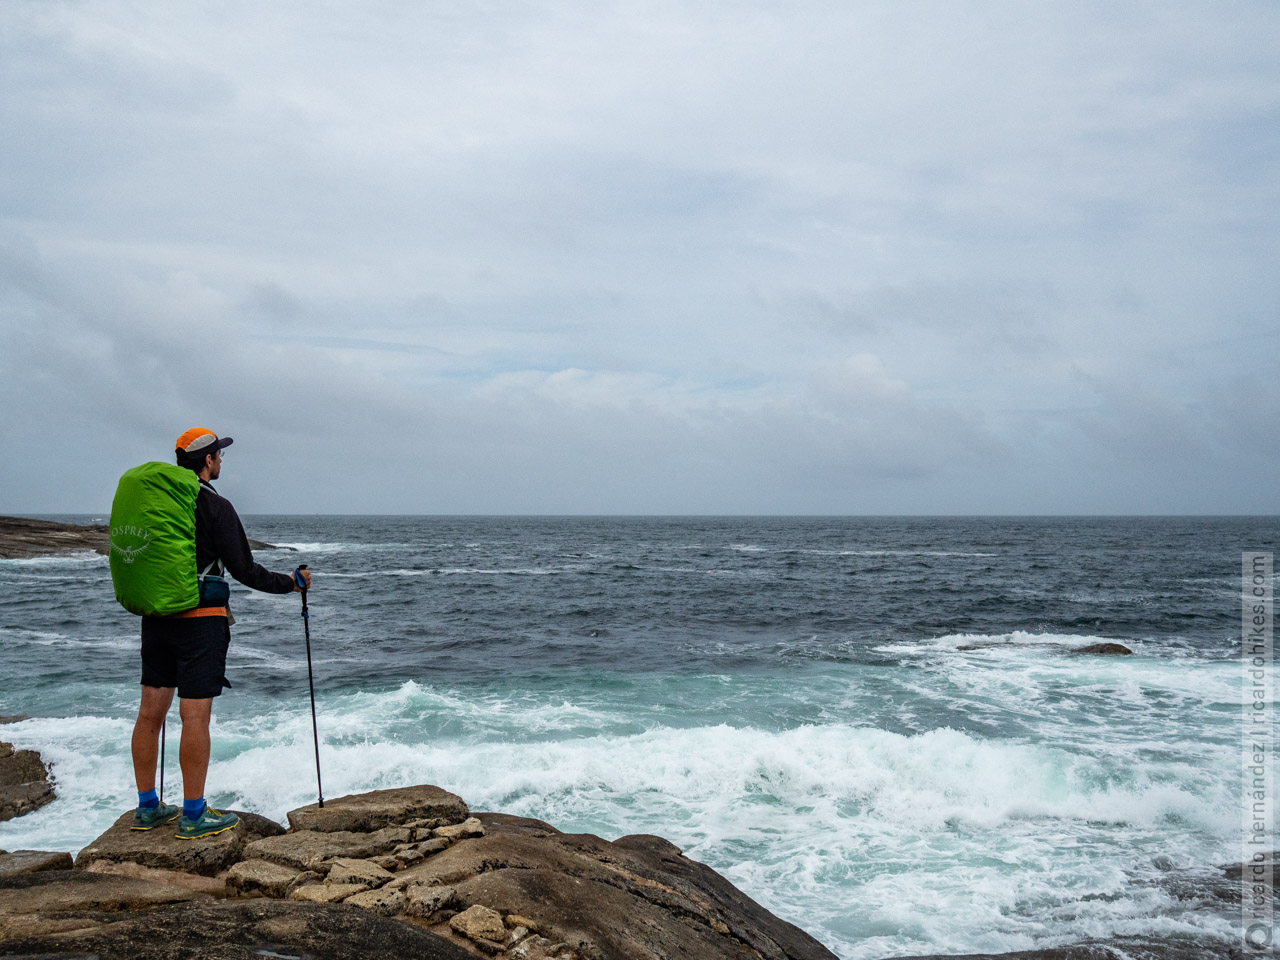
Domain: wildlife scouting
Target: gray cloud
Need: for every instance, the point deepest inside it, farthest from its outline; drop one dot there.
(566, 257)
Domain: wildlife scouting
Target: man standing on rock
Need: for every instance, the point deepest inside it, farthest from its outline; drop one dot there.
(187, 651)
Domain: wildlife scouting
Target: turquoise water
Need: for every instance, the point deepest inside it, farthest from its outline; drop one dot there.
(806, 723)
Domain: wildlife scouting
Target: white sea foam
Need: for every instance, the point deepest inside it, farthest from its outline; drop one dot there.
(896, 553)
(1008, 835)
(322, 547)
(989, 643)
(71, 558)
(454, 571)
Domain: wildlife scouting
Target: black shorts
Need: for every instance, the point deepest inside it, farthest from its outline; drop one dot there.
(189, 653)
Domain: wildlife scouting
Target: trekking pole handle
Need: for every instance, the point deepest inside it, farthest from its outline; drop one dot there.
(298, 579)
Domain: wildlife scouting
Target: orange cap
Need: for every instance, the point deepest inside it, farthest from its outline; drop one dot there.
(198, 439)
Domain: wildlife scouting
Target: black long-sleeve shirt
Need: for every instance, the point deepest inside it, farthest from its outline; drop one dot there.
(220, 536)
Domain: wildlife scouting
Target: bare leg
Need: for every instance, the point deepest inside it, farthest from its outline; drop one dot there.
(146, 735)
(193, 753)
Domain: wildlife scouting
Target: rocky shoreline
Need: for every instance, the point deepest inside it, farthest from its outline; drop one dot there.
(22, 538)
(25, 784)
(413, 872)
(408, 872)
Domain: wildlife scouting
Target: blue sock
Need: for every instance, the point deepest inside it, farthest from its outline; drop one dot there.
(148, 800)
(191, 809)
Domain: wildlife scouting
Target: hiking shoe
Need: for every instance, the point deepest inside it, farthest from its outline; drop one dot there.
(145, 818)
(210, 823)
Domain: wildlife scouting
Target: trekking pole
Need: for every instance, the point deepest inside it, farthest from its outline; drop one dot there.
(164, 725)
(311, 682)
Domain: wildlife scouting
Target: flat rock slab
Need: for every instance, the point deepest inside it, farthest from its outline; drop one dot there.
(260, 878)
(32, 861)
(245, 930)
(637, 898)
(308, 849)
(36, 902)
(366, 812)
(213, 886)
(160, 847)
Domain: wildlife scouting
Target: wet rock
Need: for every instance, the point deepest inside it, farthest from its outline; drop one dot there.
(24, 782)
(1106, 649)
(213, 886)
(260, 878)
(51, 900)
(32, 861)
(308, 849)
(20, 799)
(13, 718)
(240, 929)
(366, 812)
(161, 848)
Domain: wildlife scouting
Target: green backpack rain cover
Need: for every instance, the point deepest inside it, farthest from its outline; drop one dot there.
(153, 540)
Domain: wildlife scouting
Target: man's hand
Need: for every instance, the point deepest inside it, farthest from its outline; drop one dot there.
(305, 576)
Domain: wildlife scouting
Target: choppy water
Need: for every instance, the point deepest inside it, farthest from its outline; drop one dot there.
(785, 698)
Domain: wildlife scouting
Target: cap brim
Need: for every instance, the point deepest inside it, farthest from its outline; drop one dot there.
(222, 442)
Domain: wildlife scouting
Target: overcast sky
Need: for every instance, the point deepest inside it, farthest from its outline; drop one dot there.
(583, 257)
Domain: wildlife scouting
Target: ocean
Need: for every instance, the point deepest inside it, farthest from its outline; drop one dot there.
(873, 726)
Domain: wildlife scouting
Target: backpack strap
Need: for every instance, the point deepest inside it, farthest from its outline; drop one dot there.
(217, 562)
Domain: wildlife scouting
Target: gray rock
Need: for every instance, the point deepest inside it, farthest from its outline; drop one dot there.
(20, 799)
(346, 870)
(365, 812)
(308, 849)
(635, 897)
(471, 827)
(244, 930)
(44, 902)
(388, 903)
(1106, 649)
(32, 861)
(326, 892)
(161, 848)
(213, 886)
(423, 901)
(479, 922)
(260, 878)
(539, 948)
(21, 538)
(24, 782)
